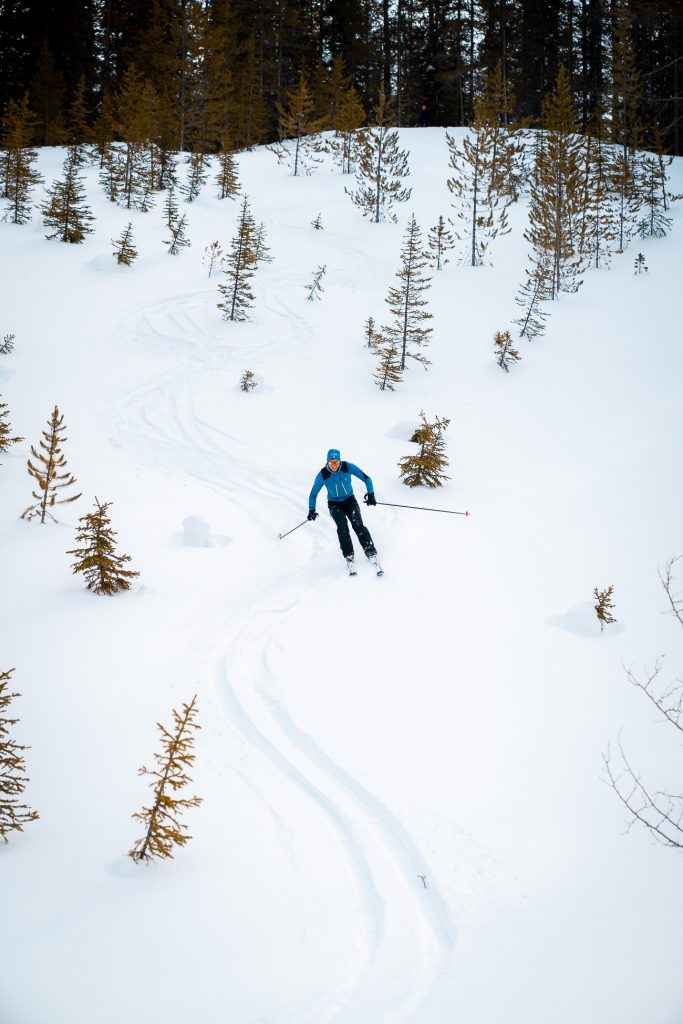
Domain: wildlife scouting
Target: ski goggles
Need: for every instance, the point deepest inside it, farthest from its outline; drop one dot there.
(333, 462)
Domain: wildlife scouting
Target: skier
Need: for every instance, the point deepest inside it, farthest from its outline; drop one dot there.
(336, 477)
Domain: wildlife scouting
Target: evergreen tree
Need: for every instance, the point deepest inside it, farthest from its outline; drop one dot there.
(261, 248)
(65, 209)
(196, 178)
(78, 132)
(388, 372)
(604, 606)
(504, 350)
(136, 114)
(7, 344)
(96, 557)
(6, 438)
(227, 180)
(19, 175)
(653, 220)
(125, 250)
(104, 130)
(298, 124)
(427, 467)
(162, 828)
(495, 108)
(46, 472)
(317, 223)
(371, 335)
(47, 91)
(250, 112)
(556, 195)
(477, 189)
(626, 80)
(213, 256)
(598, 219)
(405, 299)
(439, 242)
(381, 166)
(345, 142)
(176, 224)
(624, 187)
(13, 814)
(315, 289)
(239, 268)
(639, 265)
(248, 381)
(533, 293)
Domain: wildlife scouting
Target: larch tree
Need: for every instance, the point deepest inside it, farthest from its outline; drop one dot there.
(18, 158)
(227, 179)
(124, 248)
(13, 814)
(78, 132)
(439, 242)
(388, 372)
(49, 471)
(495, 106)
(239, 267)
(653, 219)
(176, 224)
(136, 112)
(532, 296)
(604, 606)
(6, 438)
(213, 257)
(476, 186)
(163, 829)
(66, 210)
(598, 230)
(300, 128)
(427, 467)
(96, 556)
(382, 166)
(261, 247)
(557, 193)
(349, 119)
(315, 288)
(198, 172)
(506, 353)
(408, 330)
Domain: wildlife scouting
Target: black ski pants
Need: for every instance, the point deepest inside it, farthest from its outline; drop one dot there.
(343, 513)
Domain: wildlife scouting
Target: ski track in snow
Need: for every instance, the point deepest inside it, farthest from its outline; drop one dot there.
(405, 935)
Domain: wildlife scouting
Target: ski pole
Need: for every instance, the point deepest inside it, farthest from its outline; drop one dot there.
(421, 508)
(283, 535)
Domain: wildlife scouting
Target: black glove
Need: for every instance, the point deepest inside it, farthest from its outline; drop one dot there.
(312, 514)
(369, 499)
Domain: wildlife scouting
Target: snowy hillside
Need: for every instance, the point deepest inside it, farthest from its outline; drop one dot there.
(404, 815)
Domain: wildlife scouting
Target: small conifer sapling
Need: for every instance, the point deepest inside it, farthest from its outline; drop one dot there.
(213, 257)
(371, 335)
(49, 461)
(239, 267)
(261, 249)
(428, 465)
(506, 354)
(163, 829)
(317, 223)
(7, 344)
(248, 381)
(227, 180)
(124, 249)
(639, 265)
(196, 177)
(439, 241)
(6, 438)
(389, 372)
(315, 288)
(96, 555)
(604, 606)
(13, 814)
(65, 210)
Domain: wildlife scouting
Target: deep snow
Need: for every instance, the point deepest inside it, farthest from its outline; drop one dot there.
(404, 817)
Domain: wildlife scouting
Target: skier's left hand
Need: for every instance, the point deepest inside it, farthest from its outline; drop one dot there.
(369, 499)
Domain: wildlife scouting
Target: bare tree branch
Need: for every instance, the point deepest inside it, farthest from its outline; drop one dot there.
(668, 580)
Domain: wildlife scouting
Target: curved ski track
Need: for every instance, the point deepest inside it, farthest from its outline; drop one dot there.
(406, 936)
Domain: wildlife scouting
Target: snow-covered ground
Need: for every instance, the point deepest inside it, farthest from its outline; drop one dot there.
(404, 816)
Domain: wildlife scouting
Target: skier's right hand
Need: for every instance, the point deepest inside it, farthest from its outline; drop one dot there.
(312, 514)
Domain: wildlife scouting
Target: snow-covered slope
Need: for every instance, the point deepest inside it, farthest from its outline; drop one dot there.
(404, 820)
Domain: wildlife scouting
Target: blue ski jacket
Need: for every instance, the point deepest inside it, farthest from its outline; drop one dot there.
(338, 484)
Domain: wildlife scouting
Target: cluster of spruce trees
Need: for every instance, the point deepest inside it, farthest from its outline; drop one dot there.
(227, 63)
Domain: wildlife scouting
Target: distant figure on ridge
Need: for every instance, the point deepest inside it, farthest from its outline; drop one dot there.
(336, 477)
(424, 116)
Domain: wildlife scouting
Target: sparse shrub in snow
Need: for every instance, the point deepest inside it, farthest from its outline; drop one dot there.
(66, 210)
(428, 465)
(439, 242)
(317, 223)
(7, 344)
(381, 166)
(163, 830)
(124, 250)
(298, 125)
(6, 438)
(47, 471)
(13, 814)
(604, 606)
(17, 160)
(248, 381)
(406, 302)
(213, 256)
(96, 557)
(315, 288)
(239, 268)
(505, 353)
(639, 265)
